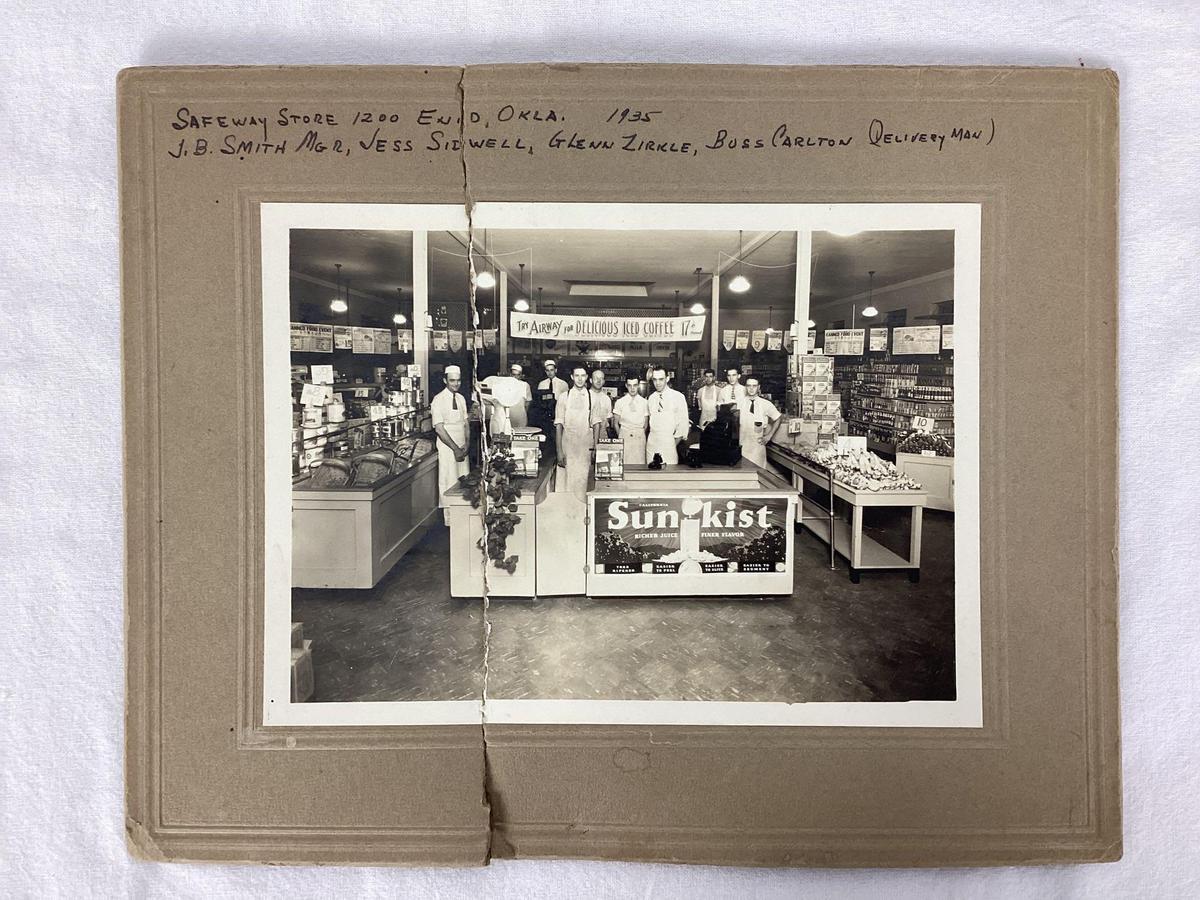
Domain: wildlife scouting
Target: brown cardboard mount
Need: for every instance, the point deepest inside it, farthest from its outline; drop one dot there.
(206, 781)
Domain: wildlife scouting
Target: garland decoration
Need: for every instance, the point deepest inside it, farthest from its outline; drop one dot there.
(492, 491)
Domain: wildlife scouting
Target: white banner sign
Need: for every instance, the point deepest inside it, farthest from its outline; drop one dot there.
(917, 339)
(844, 341)
(540, 326)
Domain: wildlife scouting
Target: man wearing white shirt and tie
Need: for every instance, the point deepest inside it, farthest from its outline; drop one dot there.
(449, 411)
(758, 420)
(631, 413)
(545, 398)
(732, 392)
(669, 422)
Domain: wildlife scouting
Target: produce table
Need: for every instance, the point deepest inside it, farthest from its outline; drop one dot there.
(862, 552)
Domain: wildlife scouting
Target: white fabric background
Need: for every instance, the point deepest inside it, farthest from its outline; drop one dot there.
(60, 460)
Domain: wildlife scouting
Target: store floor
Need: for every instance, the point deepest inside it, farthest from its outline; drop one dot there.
(882, 639)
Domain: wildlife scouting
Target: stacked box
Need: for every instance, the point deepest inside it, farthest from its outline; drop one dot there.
(816, 380)
(610, 460)
(525, 451)
(302, 672)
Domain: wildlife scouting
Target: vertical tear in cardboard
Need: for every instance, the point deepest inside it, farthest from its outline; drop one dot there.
(473, 323)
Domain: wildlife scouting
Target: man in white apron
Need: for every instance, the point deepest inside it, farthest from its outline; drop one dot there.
(732, 392)
(576, 423)
(450, 420)
(669, 421)
(758, 422)
(708, 397)
(631, 414)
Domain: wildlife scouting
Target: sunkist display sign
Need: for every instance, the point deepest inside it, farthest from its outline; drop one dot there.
(542, 326)
(689, 536)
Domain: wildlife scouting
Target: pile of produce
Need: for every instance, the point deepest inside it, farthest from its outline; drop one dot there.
(860, 469)
(921, 440)
(769, 548)
(612, 549)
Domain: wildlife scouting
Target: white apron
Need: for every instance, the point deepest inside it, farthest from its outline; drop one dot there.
(449, 469)
(634, 437)
(707, 397)
(749, 432)
(662, 434)
(576, 448)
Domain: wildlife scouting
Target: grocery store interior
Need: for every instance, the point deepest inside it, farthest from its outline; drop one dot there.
(850, 337)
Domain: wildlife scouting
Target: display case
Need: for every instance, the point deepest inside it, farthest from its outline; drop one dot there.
(350, 536)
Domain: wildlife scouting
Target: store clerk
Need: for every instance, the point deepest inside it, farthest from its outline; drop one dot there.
(732, 391)
(601, 398)
(708, 397)
(577, 419)
(631, 414)
(669, 423)
(759, 420)
(518, 413)
(545, 397)
(449, 412)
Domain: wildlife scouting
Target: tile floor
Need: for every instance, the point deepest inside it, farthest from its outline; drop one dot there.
(882, 639)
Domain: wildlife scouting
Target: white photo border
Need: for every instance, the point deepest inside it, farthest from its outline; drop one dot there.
(277, 221)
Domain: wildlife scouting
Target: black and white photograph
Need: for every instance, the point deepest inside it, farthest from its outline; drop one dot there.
(690, 464)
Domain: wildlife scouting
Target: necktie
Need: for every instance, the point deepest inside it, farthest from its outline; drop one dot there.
(454, 397)
(752, 407)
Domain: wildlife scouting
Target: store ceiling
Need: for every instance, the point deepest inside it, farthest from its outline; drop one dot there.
(841, 264)
(668, 259)
(377, 262)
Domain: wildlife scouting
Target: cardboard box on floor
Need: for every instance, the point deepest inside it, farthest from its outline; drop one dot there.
(207, 780)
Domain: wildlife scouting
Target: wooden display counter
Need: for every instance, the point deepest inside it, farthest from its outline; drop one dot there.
(717, 531)
(861, 551)
(934, 473)
(467, 560)
(350, 537)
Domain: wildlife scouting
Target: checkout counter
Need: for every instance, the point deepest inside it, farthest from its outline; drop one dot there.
(677, 531)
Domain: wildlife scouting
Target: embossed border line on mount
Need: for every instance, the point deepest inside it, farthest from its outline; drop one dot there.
(146, 833)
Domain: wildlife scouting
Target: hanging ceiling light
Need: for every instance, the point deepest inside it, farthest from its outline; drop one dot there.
(337, 304)
(812, 324)
(522, 305)
(869, 311)
(770, 319)
(739, 284)
(399, 318)
(697, 307)
(485, 280)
